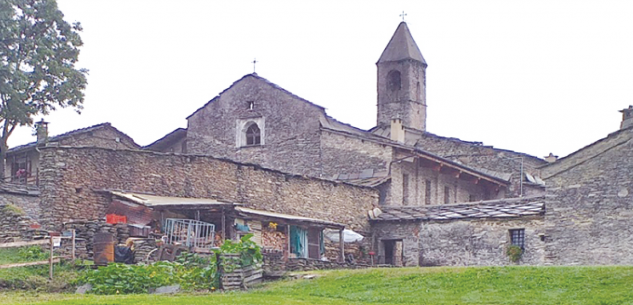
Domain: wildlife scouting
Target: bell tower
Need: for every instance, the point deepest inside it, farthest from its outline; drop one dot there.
(402, 81)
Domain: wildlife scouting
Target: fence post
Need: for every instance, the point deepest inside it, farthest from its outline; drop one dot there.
(50, 260)
(72, 250)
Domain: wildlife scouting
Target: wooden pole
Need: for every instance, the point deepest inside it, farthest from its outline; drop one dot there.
(341, 257)
(223, 226)
(288, 227)
(50, 261)
(72, 250)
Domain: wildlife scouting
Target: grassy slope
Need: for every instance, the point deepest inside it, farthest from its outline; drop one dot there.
(491, 285)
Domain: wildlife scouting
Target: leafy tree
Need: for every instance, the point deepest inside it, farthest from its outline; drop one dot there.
(38, 52)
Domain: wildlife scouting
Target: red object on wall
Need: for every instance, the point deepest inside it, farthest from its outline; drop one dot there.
(114, 219)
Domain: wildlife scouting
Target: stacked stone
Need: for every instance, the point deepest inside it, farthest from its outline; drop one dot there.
(144, 250)
(12, 224)
(86, 230)
(122, 232)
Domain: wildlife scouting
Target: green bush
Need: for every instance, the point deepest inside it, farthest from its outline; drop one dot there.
(33, 253)
(190, 271)
(514, 252)
(250, 252)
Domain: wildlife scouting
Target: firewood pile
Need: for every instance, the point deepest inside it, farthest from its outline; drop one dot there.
(273, 239)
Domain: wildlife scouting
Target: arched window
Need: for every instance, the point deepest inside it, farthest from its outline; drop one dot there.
(393, 80)
(253, 135)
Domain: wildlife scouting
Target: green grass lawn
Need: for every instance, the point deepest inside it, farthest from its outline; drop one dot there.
(474, 285)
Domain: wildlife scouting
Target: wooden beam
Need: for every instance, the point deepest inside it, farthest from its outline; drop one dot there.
(341, 257)
(55, 260)
(24, 243)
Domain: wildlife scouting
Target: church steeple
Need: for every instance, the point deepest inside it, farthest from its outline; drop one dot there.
(402, 81)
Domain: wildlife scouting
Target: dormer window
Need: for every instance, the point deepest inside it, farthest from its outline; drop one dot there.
(253, 135)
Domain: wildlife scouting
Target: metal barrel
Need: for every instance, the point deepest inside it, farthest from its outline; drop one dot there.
(103, 248)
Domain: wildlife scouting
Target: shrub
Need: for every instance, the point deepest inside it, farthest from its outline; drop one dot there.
(32, 253)
(250, 252)
(514, 252)
(190, 271)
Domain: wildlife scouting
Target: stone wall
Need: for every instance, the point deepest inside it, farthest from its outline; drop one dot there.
(289, 127)
(74, 178)
(347, 154)
(408, 232)
(479, 242)
(23, 196)
(276, 266)
(14, 224)
(85, 231)
(464, 242)
(589, 217)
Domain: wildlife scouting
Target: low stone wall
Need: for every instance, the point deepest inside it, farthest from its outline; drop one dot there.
(86, 230)
(15, 225)
(276, 266)
(24, 196)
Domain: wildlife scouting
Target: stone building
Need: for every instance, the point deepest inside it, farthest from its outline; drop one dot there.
(22, 162)
(257, 121)
(418, 198)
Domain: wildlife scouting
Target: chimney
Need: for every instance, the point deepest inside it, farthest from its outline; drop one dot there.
(627, 118)
(551, 158)
(397, 131)
(41, 131)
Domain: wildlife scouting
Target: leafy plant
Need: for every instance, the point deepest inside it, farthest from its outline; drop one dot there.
(514, 252)
(33, 253)
(250, 252)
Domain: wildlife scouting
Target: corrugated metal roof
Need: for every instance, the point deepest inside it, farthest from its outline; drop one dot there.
(158, 201)
(503, 208)
(288, 217)
(154, 201)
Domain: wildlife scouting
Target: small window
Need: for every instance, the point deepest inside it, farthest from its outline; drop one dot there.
(447, 193)
(405, 189)
(253, 135)
(393, 80)
(183, 147)
(251, 105)
(427, 192)
(471, 198)
(517, 238)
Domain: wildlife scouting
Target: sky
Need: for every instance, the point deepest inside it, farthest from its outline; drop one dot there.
(529, 76)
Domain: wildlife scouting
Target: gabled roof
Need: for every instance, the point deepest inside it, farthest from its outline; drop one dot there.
(612, 141)
(255, 76)
(167, 140)
(502, 208)
(402, 46)
(71, 134)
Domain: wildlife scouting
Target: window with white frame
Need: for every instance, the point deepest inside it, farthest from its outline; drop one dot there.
(249, 132)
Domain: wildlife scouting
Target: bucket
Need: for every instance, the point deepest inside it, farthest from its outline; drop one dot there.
(103, 248)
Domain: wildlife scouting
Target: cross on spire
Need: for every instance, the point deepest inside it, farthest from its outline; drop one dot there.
(403, 15)
(254, 63)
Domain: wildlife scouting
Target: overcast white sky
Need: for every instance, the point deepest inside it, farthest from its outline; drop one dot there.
(530, 76)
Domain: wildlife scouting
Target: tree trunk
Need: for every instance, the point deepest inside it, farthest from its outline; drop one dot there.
(3, 156)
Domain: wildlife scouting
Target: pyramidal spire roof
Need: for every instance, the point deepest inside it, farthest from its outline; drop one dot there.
(402, 46)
